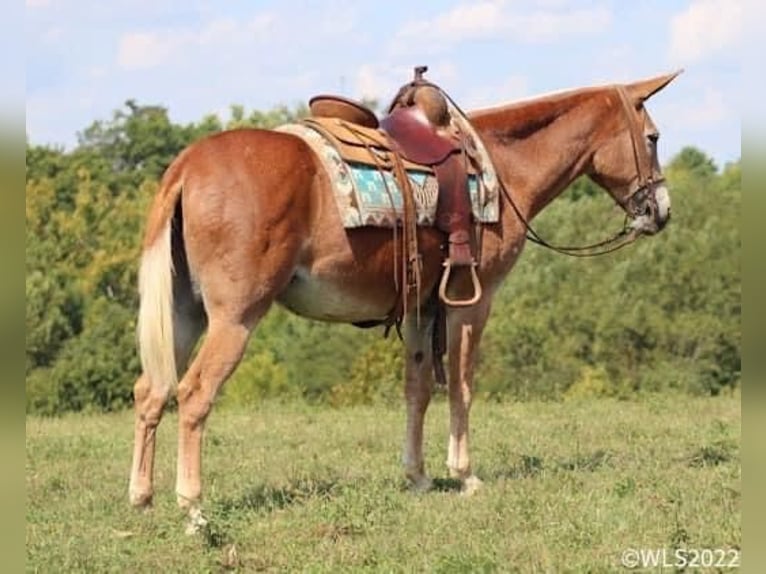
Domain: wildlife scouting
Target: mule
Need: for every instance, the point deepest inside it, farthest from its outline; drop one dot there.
(245, 218)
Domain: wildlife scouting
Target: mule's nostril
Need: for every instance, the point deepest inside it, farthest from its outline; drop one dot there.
(663, 219)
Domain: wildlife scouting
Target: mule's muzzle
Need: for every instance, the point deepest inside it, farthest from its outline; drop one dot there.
(650, 208)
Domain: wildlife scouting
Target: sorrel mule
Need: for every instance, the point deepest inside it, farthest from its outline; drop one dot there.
(245, 218)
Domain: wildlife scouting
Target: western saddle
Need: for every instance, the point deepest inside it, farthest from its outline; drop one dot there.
(418, 133)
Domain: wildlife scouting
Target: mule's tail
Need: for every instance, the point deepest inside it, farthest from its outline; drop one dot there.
(155, 285)
(155, 314)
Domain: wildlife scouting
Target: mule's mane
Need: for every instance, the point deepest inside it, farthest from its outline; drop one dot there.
(520, 119)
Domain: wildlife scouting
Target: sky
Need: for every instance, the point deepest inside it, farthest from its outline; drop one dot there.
(84, 59)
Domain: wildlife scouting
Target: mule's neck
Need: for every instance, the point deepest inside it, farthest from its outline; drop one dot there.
(541, 146)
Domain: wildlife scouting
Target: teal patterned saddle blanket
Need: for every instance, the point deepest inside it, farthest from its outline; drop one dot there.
(368, 196)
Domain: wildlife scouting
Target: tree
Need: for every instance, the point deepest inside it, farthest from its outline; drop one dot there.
(693, 161)
(137, 143)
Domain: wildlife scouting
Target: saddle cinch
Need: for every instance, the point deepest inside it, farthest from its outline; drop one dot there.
(416, 135)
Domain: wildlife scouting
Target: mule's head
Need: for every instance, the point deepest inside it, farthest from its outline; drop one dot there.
(625, 159)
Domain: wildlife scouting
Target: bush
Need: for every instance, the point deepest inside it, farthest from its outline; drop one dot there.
(96, 370)
(259, 376)
(376, 376)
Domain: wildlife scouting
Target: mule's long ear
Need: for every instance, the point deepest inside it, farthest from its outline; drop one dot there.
(645, 89)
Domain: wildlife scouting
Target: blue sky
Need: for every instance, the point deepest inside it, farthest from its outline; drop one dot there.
(84, 59)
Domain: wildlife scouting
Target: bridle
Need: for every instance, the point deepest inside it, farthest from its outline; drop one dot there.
(639, 201)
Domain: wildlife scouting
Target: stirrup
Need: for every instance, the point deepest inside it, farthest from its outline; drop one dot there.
(445, 279)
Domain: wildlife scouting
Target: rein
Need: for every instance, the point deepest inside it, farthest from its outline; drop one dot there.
(629, 236)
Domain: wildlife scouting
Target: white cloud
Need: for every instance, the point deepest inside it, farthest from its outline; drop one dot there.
(464, 22)
(709, 110)
(260, 24)
(218, 31)
(96, 72)
(549, 21)
(512, 88)
(53, 35)
(143, 50)
(706, 27)
(379, 81)
(50, 114)
(550, 26)
(368, 82)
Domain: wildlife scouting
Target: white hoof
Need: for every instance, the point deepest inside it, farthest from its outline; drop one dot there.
(140, 499)
(471, 485)
(196, 521)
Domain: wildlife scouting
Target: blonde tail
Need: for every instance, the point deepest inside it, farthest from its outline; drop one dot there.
(155, 315)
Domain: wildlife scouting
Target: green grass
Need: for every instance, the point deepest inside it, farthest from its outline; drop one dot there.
(567, 487)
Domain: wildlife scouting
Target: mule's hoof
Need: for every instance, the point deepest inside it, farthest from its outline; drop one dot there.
(196, 522)
(471, 486)
(187, 503)
(422, 483)
(140, 500)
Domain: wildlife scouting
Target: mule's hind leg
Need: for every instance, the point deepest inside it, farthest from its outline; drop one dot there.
(151, 397)
(150, 402)
(418, 382)
(218, 357)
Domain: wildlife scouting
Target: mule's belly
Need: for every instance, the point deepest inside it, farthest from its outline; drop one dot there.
(326, 299)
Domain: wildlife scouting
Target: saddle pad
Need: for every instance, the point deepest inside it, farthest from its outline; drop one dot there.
(368, 196)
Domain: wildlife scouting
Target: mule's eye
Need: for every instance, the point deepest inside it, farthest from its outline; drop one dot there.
(653, 137)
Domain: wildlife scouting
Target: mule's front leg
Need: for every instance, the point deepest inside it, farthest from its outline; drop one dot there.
(465, 327)
(418, 382)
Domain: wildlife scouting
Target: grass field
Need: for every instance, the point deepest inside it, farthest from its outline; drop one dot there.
(567, 487)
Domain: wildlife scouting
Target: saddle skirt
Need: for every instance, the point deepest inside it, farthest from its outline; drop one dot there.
(359, 162)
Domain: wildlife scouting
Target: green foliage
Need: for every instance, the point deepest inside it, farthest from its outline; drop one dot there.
(694, 162)
(265, 120)
(93, 371)
(259, 376)
(593, 383)
(137, 143)
(376, 376)
(54, 314)
(663, 314)
(583, 186)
